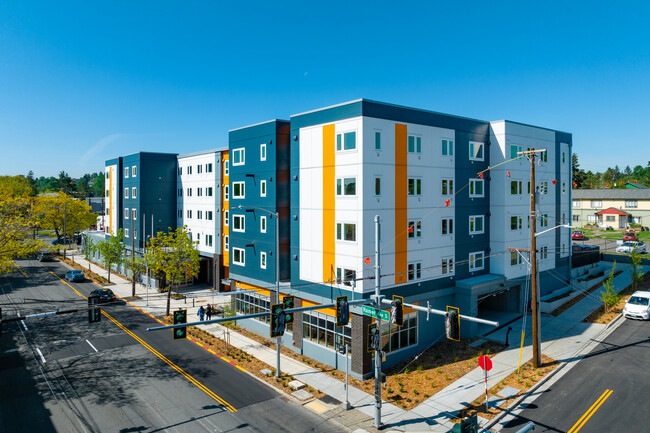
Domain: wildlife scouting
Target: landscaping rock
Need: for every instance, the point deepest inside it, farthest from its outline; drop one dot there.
(296, 385)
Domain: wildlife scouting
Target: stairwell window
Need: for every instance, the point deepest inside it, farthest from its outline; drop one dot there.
(414, 144)
(543, 253)
(516, 222)
(476, 224)
(346, 232)
(476, 261)
(238, 156)
(516, 187)
(476, 188)
(226, 218)
(476, 151)
(263, 224)
(377, 186)
(239, 256)
(134, 214)
(447, 148)
(126, 172)
(226, 167)
(447, 187)
(238, 190)
(134, 171)
(515, 258)
(346, 141)
(414, 271)
(263, 260)
(226, 192)
(414, 229)
(208, 240)
(226, 243)
(377, 140)
(126, 193)
(126, 213)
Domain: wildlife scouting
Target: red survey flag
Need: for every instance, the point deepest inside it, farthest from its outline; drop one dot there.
(410, 229)
(447, 202)
(554, 181)
(607, 185)
(366, 260)
(508, 173)
(480, 175)
(575, 185)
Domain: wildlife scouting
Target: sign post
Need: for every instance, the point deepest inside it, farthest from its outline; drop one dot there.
(485, 363)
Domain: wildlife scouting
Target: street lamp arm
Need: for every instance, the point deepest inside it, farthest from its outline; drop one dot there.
(277, 214)
(552, 228)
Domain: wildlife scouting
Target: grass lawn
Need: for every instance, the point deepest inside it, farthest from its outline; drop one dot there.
(597, 233)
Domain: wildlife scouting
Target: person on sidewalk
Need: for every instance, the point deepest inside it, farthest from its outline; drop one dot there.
(208, 312)
(201, 313)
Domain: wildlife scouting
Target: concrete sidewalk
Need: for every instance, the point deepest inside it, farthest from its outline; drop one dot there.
(564, 338)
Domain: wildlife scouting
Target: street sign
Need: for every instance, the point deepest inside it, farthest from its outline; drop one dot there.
(485, 362)
(367, 310)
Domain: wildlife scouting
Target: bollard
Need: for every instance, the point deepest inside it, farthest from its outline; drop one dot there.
(508, 333)
(192, 302)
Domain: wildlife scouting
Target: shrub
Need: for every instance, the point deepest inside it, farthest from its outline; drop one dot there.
(389, 390)
(407, 371)
(419, 367)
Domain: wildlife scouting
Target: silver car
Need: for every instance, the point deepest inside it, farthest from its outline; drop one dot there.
(629, 246)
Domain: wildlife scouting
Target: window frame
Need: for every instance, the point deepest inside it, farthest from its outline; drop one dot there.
(473, 258)
(239, 153)
(242, 256)
(126, 172)
(447, 147)
(377, 140)
(263, 152)
(242, 185)
(473, 153)
(226, 218)
(226, 167)
(342, 141)
(134, 171)
(414, 271)
(449, 226)
(472, 188)
(341, 186)
(263, 188)
(341, 231)
(417, 187)
(126, 192)
(417, 229)
(476, 218)
(416, 141)
(447, 184)
(263, 225)
(263, 259)
(241, 220)
(447, 265)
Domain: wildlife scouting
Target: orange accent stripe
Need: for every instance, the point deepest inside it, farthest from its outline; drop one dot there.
(400, 203)
(329, 194)
(329, 311)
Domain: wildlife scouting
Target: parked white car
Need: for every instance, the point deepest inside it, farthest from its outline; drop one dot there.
(638, 306)
(628, 246)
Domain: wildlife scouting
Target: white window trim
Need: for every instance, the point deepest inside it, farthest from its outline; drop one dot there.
(226, 167)
(449, 220)
(476, 232)
(472, 258)
(473, 158)
(451, 270)
(126, 213)
(242, 218)
(342, 135)
(450, 186)
(126, 172)
(226, 193)
(226, 243)
(450, 145)
(126, 192)
(263, 225)
(243, 185)
(263, 152)
(343, 224)
(242, 153)
(226, 218)
(476, 181)
(134, 192)
(263, 260)
(342, 180)
(415, 271)
(262, 188)
(241, 256)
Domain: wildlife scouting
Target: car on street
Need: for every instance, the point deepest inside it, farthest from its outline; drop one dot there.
(577, 235)
(638, 306)
(629, 246)
(630, 236)
(46, 256)
(105, 295)
(75, 275)
(61, 241)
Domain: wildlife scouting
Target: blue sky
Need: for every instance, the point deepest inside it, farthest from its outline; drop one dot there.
(82, 82)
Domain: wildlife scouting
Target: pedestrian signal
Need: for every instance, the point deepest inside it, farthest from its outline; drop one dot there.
(397, 311)
(452, 323)
(373, 337)
(180, 316)
(278, 318)
(342, 311)
(288, 302)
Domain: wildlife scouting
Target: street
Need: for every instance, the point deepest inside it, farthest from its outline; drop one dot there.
(63, 374)
(607, 391)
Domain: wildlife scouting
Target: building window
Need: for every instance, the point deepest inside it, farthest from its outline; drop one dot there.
(263, 224)
(208, 240)
(208, 215)
(321, 329)
(226, 218)
(263, 188)
(631, 203)
(263, 260)
(238, 223)
(226, 167)
(414, 229)
(208, 167)
(543, 253)
(251, 303)
(134, 171)
(377, 186)
(126, 193)
(377, 140)
(575, 217)
(395, 337)
(447, 265)
(134, 214)
(447, 226)
(414, 144)
(126, 172)
(414, 271)
(346, 141)
(476, 261)
(516, 187)
(563, 218)
(346, 276)
(198, 238)
(543, 220)
(226, 192)
(591, 218)
(239, 256)
(238, 156)
(209, 191)
(180, 213)
(563, 187)
(226, 243)
(135, 233)
(476, 187)
(516, 222)
(544, 156)
(126, 232)
(189, 192)
(180, 192)
(563, 157)
(346, 232)
(610, 218)
(476, 151)
(575, 203)
(263, 152)
(180, 171)
(199, 192)
(447, 148)
(346, 186)
(476, 224)
(596, 203)
(238, 190)
(447, 187)
(414, 186)
(515, 258)
(514, 149)
(189, 213)
(544, 187)
(126, 213)
(134, 192)
(199, 214)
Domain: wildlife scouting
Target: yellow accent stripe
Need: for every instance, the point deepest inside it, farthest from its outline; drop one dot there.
(594, 407)
(21, 271)
(329, 206)
(401, 217)
(158, 354)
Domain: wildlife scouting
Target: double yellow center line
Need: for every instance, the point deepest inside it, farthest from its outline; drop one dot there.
(592, 410)
(159, 355)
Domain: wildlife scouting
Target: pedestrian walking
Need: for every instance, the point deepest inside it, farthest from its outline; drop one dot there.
(209, 312)
(201, 313)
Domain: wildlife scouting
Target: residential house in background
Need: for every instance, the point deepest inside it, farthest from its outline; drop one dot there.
(616, 208)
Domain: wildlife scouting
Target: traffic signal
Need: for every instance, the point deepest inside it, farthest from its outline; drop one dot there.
(452, 323)
(469, 425)
(342, 311)
(288, 302)
(180, 316)
(94, 312)
(373, 337)
(397, 311)
(277, 320)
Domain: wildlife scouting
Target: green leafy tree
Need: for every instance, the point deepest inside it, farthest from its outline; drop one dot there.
(15, 186)
(637, 276)
(65, 183)
(63, 211)
(609, 297)
(16, 225)
(137, 266)
(112, 251)
(174, 256)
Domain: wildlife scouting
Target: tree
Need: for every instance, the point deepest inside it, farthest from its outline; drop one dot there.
(15, 186)
(173, 256)
(16, 224)
(137, 266)
(55, 212)
(90, 249)
(577, 174)
(65, 183)
(609, 297)
(637, 276)
(112, 251)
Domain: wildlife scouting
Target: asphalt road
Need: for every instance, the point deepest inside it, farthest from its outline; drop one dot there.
(62, 374)
(607, 391)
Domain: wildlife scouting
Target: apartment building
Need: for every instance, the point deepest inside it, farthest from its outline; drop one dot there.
(452, 196)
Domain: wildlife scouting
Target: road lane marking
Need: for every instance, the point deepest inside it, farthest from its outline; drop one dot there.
(21, 271)
(594, 407)
(24, 325)
(11, 350)
(91, 345)
(41, 355)
(159, 355)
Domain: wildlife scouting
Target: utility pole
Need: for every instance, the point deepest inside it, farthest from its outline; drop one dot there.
(377, 423)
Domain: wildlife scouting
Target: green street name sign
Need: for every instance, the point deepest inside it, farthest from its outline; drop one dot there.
(377, 314)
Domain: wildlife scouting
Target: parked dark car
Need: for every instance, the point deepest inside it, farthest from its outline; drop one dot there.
(61, 241)
(105, 295)
(46, 256)
(75, 275)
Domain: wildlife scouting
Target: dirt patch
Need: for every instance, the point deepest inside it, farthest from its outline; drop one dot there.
(522, 380)
(561, 309)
